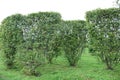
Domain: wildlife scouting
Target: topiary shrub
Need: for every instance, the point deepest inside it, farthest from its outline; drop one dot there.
(104, 34)
(40, 44)
(44, 27)
(12, 36)
(74, 40)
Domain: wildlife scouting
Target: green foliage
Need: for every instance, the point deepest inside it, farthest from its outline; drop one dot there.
(45, 17)
(74, 39)
(51, 42)
(12, 35)
(104, 34)
(40, 41)
(43, 30)
(28, 59)
(0, 38)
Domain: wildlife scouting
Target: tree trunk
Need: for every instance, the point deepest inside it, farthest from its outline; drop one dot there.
(108, 64)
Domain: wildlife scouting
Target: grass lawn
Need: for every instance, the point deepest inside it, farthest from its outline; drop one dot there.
(89, 68)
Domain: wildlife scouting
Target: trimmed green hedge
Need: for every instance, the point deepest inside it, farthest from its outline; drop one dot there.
(12, 35)
(45, 17)
(74, 40)
(104, 34)
(40, 40)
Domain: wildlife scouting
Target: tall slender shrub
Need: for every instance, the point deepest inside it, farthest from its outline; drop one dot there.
(74, 40)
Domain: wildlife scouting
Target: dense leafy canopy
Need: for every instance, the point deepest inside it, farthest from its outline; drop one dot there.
(74, 39)
(40, 39)
(29, 39)
(33, 40)
(12, 35)
(104, 34)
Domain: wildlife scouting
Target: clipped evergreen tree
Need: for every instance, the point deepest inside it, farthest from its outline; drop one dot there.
(104, 34)
(40, 41)
(12, 36)
(74, 40)
(46, 24)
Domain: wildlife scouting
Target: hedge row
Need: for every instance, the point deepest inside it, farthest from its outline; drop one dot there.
(32, 40)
